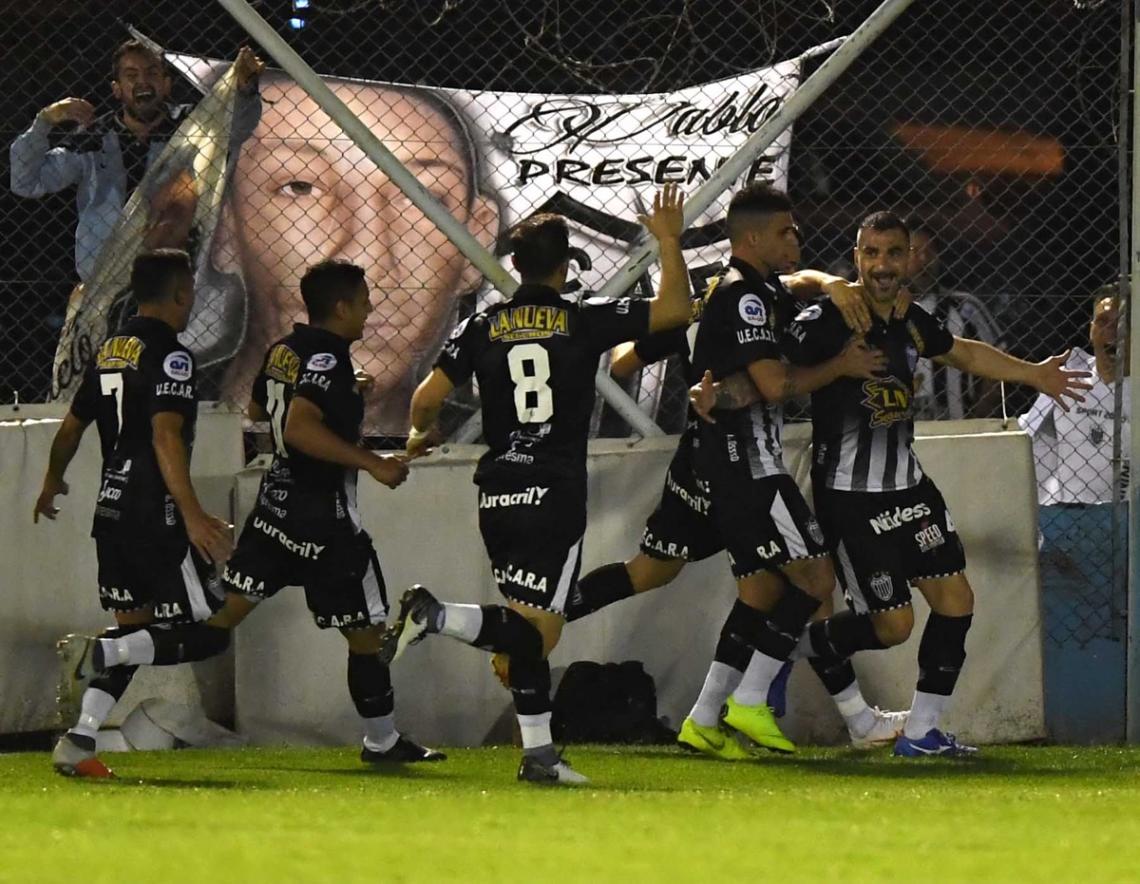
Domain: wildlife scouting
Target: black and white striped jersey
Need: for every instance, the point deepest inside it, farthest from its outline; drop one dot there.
(863, 430)
(742, 323)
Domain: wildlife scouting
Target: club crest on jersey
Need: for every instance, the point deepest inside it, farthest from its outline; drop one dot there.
(888, 401)
(752, 310)
(321, 362)
(118, 353)
(882, 586)
(283, 364)
(178, 365)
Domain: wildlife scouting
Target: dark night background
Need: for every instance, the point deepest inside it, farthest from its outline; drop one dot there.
(1043, 66)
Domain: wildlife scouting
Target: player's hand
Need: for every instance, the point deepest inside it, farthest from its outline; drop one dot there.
(848, 298)
(45, 503)
(666, 221)
(211, 536)
(247, 67)
(702, 397)
(70, 110)
(857, 360)
(1060, 383)
(903, 301)
(389, 469)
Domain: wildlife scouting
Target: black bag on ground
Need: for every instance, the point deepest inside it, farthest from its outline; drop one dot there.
(607, 703)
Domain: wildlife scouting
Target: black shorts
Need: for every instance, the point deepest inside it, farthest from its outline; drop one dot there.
(335, 564)
(165, 575)
(884, 540)
(682, 526)
(532, 530)
(765, 524)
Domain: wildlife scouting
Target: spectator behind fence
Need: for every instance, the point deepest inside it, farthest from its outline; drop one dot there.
(1073, 449)
(302, 192)
(106, 156)
(942, 392)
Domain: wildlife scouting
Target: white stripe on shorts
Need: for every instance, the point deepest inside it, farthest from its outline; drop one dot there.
(854, 591)
(373, 598)
(195, 592)
(350, 500)
(567, 577)
(793, 539)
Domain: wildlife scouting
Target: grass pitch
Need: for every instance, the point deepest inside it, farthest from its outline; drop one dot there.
(653, 814)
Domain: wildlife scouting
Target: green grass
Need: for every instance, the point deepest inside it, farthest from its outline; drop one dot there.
(1016, 814)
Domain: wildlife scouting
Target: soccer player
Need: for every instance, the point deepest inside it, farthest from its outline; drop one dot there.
(884, 519)
(535, 357)
(305, 528)
(154, 541)
(682, 528)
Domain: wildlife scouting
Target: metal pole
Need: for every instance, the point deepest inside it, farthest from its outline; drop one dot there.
(1132, 674)
(375, 150)
(760, 140)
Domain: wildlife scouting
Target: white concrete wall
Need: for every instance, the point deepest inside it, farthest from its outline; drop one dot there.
(289, 678)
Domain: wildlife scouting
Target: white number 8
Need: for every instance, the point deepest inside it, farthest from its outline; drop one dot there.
(531, 385)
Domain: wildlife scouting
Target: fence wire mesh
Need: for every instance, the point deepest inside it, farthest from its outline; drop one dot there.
(993, 126)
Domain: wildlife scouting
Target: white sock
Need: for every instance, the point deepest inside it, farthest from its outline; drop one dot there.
(380, 733)
(134, 649)
(535, 730)
(854, 709)
(925, 712)
(757, 679)
(94, 708)
(719, 683)
(461, 621)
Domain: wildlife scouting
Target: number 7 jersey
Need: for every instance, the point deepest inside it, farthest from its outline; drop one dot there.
(535, 357)
(137, 373)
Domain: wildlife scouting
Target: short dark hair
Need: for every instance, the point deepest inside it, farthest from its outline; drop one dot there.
(881, 221)
(131, 47)
(748, 204)
(325, 284)
(540, 245)
(157, 274)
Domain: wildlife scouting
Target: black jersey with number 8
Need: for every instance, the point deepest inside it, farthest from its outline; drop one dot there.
(535, 357)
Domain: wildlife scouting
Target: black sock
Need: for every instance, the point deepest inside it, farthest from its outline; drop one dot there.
(734, 647)
(370, 685)
(187, 642)
(942, 652)
(778, 632)
(508, 632)
(602, 586)
(844, 634)
(530, 685)
(836, 673)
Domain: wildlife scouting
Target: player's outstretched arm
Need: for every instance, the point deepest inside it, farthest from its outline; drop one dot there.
(670, 307)
(211, 536)
(1050, 377)
(305, 430)
(63, 448)
(778, 381)
(427, 402)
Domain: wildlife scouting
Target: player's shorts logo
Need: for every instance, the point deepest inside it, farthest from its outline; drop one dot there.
(929, 538)
(321, 362)
(178, 365)
(752, 310)
(882, 586)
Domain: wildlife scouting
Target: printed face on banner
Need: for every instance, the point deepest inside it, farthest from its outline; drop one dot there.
(302, 192)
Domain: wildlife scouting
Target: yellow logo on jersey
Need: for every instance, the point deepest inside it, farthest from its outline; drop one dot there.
(528, 322)
(119, 353)
(283, 364)
(888, 400)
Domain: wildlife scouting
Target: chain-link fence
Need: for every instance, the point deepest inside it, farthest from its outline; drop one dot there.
(993, 126)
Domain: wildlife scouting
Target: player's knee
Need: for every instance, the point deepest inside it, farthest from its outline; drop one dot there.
(816, 577)
(893, 627)
(647, 573)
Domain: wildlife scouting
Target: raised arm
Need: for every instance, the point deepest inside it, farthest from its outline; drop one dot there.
(427, 401)
(670, 307)
(1049, 377)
